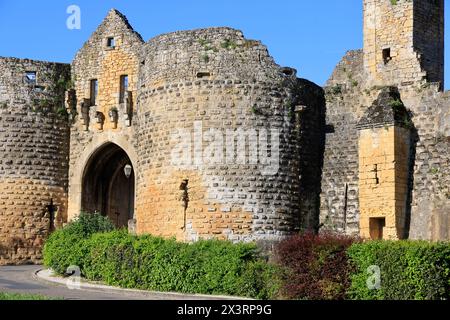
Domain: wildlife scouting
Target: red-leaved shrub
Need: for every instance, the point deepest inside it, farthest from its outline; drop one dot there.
(316, 267)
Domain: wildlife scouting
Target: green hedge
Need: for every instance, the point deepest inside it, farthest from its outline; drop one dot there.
(66, 247)
(409, 270)
(151, 263)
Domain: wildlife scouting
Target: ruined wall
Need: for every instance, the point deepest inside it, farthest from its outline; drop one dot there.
(34, 147)
(197, 86)
(413, 30)
(348, 97)
(430, 193)
(429, 37)
(413, 33)
(311, 126)
(339, 208)
(95, 125)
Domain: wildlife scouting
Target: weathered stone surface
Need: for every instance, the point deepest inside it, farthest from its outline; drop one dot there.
(413, 30)
(404, 41)
(198, 81)
(34, 150)
(186, 89)
(384, 150)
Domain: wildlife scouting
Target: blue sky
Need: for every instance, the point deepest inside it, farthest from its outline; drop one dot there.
(311, 36)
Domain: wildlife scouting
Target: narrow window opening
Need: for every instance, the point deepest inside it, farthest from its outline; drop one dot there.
(111, 43)
(377, 226)
(94, 92)
(31, 77)
(375, 171)
(203, 75)
(387, 55)
(123, 88)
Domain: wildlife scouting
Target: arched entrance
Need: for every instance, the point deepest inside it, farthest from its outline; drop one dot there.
(108, 186)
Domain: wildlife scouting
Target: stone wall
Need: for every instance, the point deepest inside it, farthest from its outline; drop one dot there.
(201, 84)
(94, 126)
(34, 147)
(429, 37)
(348, 96)
(430, 187)
(412, 32)
(225, 143)
(197, 86)
(339, 208)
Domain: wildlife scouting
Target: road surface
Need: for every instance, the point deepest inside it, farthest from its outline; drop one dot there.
(23, 279)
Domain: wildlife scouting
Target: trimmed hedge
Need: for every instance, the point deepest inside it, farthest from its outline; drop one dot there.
(151, 263)
(315, 267)
(307, 266)
(409, 270)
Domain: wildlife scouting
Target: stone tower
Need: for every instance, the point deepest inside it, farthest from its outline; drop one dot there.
(404, 41)
(34, 147)
(202, 96)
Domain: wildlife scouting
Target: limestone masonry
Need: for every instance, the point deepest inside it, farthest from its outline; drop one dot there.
(200, 134)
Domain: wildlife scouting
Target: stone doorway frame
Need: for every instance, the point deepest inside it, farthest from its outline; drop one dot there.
(77, 172)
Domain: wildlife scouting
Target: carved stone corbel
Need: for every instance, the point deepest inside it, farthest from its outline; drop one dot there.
(113, 116)
(100, 119)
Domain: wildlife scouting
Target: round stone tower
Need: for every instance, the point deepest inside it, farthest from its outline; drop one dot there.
(34, 137)
(220, 134)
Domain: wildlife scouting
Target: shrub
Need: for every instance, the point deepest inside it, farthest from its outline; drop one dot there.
(409, 270)
(89, 223)
(151, 263)
(66, 247)
(315, 267)
(261, 280)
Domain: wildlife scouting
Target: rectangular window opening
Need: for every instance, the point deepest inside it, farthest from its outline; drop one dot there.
(203, 75)
(375, 171)
(111, 43)
(377, 228)
(94, 92)
(31, 77)
(123, 88)
(387, 55)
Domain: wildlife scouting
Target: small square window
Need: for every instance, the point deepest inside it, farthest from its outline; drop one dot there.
(387, 55)
(30, 77)
(111, 43)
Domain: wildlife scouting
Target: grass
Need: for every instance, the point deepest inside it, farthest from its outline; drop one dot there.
(16, 296)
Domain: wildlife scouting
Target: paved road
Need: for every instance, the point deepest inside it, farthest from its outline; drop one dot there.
(22, 279)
